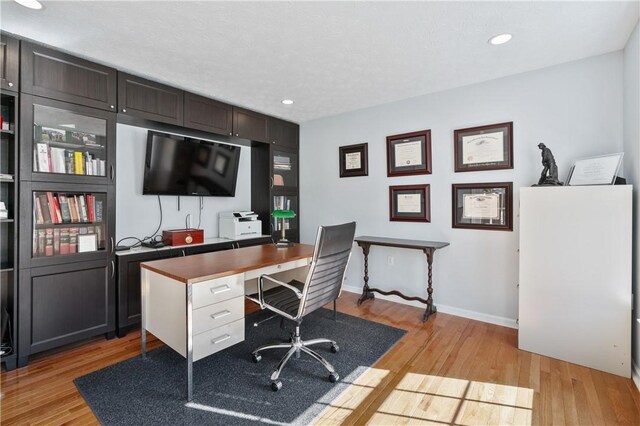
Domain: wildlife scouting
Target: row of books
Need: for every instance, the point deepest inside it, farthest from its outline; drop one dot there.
(66, 208)
(68, 161)
(58, 241)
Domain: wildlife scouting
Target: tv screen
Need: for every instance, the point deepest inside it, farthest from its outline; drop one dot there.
(176, 165)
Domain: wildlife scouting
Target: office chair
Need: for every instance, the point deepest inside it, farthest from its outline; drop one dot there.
(295, 300)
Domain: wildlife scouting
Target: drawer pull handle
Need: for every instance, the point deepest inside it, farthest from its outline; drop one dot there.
(221, 339)
(220, 315)
(220, 289)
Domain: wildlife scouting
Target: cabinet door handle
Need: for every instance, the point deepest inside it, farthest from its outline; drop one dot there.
(220, 315)
(10, 84)
(221, 339)
(124, 110)
(271, 182)
(220, 289)
(113, 269)
(113, 247)
(230, 134)
(111, 171)
(112, 106)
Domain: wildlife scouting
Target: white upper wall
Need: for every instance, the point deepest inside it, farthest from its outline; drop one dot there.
(574, 108)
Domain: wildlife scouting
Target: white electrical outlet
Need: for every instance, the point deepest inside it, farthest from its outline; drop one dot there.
(390, 260)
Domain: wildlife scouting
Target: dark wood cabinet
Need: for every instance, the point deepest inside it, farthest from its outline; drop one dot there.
(283, 133)
(149, 100)
(52, 74)
(250, 125)
(128, 265)
(9, 63)
(98, 127)
(65, 303)
(207, 115)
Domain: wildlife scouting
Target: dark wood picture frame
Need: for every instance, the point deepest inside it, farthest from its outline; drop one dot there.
(424, 215)
(505, 207)
(423, 168)
(362, 150)
(507, 140)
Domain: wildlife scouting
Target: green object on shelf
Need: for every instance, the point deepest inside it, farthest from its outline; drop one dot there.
(284, 215)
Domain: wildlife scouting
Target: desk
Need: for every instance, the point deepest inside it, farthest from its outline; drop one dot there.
(195, 304)
(428, 247)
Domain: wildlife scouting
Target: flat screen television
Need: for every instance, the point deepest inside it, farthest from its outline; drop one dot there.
(176, 165)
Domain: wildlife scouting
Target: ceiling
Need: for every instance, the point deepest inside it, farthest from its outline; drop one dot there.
(329, 57)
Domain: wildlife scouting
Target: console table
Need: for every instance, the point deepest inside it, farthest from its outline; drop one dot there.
(427, 247)
(195, 304)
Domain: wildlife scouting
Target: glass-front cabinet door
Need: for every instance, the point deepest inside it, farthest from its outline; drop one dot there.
(67, 143)
(285, 170)
(285, 202)
(66, 225)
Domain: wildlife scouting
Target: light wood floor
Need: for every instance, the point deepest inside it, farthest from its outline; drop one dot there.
(449, 370)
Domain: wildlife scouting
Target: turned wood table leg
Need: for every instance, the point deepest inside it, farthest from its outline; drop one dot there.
(431, 309)
(366, 294)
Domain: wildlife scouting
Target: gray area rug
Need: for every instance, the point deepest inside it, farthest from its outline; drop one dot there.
(229, 388)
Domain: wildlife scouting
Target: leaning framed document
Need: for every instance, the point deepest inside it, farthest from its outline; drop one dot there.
(409, 203)
(483, 206)
(600, 170)
(484, 148)
(409, 154)
(353, 160)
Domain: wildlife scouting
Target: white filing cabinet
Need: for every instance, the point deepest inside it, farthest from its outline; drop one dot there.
(217, 313)
(575, 275)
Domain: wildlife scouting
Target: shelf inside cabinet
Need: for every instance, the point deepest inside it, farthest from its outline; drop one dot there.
(7, 132)
(7, 180)
(66, 225)
(6, 220)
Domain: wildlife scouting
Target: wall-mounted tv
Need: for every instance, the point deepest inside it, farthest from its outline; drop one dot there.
(177, 165)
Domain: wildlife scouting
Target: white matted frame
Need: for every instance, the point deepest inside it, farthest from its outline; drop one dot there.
(598, 170)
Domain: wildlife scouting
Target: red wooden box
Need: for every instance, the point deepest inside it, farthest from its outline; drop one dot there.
(181, 237)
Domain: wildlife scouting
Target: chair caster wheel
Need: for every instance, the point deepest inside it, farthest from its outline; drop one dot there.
(256, 358)
(335, 348)
(276, 386)
(334, 377)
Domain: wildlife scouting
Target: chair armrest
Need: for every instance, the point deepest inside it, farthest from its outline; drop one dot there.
(273, 280)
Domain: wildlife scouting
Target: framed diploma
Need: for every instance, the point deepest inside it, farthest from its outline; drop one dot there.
(410, 203)
(483, 206)
(409, 154)
(484, 148)
(354, 160)
(601, 170)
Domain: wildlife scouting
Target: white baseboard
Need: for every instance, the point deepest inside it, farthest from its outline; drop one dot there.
(635, 374)
(478, 316)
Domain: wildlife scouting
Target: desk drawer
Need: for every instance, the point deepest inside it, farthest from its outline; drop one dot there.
(214, 291)
(276, 268)
(218, 314)
(212, 341)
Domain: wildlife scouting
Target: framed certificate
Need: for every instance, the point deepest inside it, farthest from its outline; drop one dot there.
(410, 203)
(409, 154)
(484, 148)
(354, 161)
(601, 170)
(483, 206)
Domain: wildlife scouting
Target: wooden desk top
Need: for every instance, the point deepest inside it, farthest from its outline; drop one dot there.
(401, 243)
(207, 266)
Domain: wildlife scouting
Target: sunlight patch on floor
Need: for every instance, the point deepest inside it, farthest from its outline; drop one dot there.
(425, 399)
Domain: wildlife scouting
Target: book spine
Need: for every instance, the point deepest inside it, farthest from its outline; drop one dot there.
(52, 207)
(73, 240)
(92, 217)
(48, 249)
(64, 241)
(44, 203)
(64, 208)
(39, 216)
(57, 208)
(83, 208)
(41, 242)
(77, 204)
(56, 241)
(79, 166)
(70, 161)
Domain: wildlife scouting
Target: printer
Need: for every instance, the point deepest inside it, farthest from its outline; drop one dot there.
(239, 224)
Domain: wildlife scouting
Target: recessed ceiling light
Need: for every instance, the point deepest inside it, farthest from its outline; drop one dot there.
(500, 39)
(287, 101)
(31, 4)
